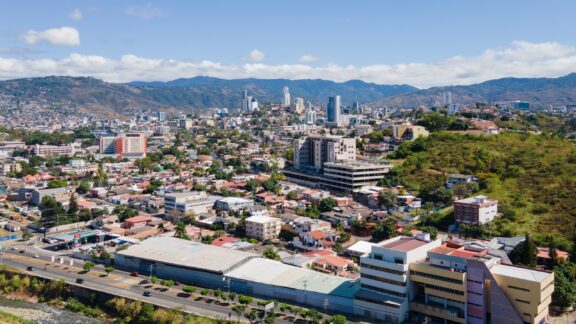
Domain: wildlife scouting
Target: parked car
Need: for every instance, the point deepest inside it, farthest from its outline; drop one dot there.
(134, 274)
(147, 293)
(79, 280)
(29, 268)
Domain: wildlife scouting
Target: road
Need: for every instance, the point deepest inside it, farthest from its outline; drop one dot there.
(121, 284)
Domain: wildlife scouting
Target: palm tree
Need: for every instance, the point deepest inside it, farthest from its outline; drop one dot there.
(181, 231)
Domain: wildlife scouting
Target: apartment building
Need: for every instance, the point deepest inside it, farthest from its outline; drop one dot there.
(475, 210)
(263, 227)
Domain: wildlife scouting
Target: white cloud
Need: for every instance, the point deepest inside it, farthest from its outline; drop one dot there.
(308, 58)
(67, 36)
(257, 55)
(76, 15)
(520, 59)
(145, 12)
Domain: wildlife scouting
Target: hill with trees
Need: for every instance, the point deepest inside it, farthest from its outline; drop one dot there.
(532, 176)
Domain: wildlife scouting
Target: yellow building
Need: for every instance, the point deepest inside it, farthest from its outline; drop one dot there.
(529, 290)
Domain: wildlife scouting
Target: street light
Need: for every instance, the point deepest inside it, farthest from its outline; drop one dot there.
(228, 282)
(151, 268)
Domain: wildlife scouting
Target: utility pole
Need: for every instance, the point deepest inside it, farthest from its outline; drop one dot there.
(305, 287)
(151, 268)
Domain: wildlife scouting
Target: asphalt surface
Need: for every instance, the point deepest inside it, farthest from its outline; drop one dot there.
(118, 283)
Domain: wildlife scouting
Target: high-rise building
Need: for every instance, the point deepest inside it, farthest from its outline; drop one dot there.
(333, 111)
(446, 99)
(286, 97)
(298, 106)
(130, 144)
(310, 117)
(314, 151)
(161, 116)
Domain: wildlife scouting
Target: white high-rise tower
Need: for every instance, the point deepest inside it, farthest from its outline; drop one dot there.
(286, 97)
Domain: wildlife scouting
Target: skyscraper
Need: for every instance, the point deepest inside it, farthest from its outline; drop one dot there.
(286, 97)
(446, 99)
(333, 110)
(298, 106)
(161, 115)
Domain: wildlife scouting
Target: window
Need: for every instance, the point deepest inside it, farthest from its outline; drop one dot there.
(523, 301)
(392, 282)
(519, 288)
(436, 277)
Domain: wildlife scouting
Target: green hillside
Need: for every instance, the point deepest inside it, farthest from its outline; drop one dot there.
(532, 176)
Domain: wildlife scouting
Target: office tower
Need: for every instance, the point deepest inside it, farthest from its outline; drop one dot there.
(161, 115)
(333, 110)
(446, 99)
(310, 117)
(356, 106)
(286, 97)
(298, 106)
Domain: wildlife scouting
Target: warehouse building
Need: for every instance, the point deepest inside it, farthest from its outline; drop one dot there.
(212, 266)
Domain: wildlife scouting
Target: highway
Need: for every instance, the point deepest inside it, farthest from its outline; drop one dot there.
(119, 283)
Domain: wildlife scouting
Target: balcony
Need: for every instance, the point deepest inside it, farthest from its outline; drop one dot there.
(437, 310)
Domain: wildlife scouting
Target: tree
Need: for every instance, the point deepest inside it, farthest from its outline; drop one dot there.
(51, 211)
(238, 309)
(169, 283)
(180, 231)
(388, 199)
(564, 294)
(269, 253)
(108, 270)
(83, 187)
(252, 185)
(188, 289)
(146, 314)
(143, 164)
(101, 178)
(338, 319)
(385, 230)
(88, 265)
(524, 253)
(72, 205)
(26, 235)
(154, 280)
(57, 184)
(552, 252)
(244, 300)
(292, 195)
(327, 204)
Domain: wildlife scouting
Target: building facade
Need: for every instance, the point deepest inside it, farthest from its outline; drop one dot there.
(475, 210)
(263, 227)
(333, 111)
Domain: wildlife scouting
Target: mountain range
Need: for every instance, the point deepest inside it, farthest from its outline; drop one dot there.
(89, 94)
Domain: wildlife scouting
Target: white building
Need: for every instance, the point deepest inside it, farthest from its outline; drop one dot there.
(233, 204)
(384, 277)
(475, 210)
(263, 227)
(286, 97)
(298, 106)
(314, 151)
(310, 117)
(179, 204)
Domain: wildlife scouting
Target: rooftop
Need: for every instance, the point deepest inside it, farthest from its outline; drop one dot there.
(261, 219)
(520, 273)
(279, 274)
(402, 244)
(185, 253)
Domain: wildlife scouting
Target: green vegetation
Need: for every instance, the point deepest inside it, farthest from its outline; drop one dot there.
(88, 265)
(269, 253)
(532, 176)
(8, 318)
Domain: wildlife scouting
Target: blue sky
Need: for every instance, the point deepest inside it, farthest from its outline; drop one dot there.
(424, 43)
